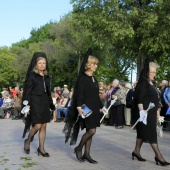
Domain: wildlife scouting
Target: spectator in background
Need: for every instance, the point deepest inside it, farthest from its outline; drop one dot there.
(1, 103)
(119, 108)
(64, 109)
(102, 92)
(20, 92)
(133, 115)
(58, 91)
(60, 105)
(111, 92)
(4, 90)
(129, 100)
(6, 103)
(65, 90)
(55, 90)
(17, 107)
(166, 96)
(54, 98)
(162, 88)
(14, 91)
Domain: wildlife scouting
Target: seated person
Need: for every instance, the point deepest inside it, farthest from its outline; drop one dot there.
(61, 104)
(6, 103)
(64, 109)
(17, 107)
(55, 102)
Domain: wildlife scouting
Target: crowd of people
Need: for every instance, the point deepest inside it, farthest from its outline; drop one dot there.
(10, 102)
(120, 114)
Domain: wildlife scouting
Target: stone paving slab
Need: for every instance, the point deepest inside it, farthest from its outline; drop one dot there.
(111, 147)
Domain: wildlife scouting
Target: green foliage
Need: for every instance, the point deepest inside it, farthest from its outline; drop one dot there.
(129, 29)
(37, 35)
(28, 164)
(8, 67)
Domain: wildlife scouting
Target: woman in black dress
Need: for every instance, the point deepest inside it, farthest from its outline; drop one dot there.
(88, 94)
(38, 94)
(145, 93)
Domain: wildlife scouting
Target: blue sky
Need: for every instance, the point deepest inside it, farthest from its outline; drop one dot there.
(19, 17)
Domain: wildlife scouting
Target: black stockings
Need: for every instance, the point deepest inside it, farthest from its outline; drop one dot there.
(138, 146)
(86, 141)
(42, 134)
(157, 152)
(154, 147)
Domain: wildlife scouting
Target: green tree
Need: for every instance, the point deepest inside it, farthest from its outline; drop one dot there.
(8, 68)
(131, 28)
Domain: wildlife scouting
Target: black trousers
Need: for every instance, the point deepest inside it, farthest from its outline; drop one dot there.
(120, 119)
(112, 115)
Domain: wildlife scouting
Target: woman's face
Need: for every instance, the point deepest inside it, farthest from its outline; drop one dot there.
(41, 65)
(152, 73)
(93, 67)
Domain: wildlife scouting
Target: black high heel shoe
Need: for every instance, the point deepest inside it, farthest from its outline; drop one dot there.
(138, 157)
(27, 151)
(161, 162)
(43, 154)
(89, 159)
(77, 151)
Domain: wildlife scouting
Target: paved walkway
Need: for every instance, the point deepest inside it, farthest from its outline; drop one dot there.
(111, 148)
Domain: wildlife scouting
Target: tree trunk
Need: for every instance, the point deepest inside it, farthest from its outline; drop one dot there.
(139, 63)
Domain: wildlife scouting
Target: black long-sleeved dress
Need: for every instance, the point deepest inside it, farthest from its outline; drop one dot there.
(88, 93)
(37, 93)
(145, 94)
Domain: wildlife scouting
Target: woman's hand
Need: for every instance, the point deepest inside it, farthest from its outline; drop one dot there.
(80, 111)
(28, 106)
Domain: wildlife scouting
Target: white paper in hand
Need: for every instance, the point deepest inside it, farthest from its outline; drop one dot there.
(25, 109)
(105, 111)
(142, 115)
(145, 118)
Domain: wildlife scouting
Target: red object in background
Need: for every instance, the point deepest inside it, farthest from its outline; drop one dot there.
(58, 92)
(14, 93)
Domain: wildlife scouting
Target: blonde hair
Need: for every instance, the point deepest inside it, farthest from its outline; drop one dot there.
(152, 64)
(91, 60)
(35, 68)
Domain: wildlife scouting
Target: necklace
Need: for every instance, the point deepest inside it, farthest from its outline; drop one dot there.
(90, 76)
(44, 84)
(156, 90)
